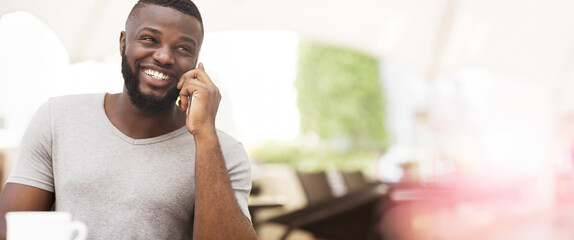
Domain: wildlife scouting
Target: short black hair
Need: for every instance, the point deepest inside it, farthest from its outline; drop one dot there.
(184, 6)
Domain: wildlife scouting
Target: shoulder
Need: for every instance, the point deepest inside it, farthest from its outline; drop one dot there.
(231, 148)
(75, 104)
(226, 139)
(61, 105)
(78, 99)
(64, 110)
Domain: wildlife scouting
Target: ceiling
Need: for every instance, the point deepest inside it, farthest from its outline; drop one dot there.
(529, 39)
(90, 29)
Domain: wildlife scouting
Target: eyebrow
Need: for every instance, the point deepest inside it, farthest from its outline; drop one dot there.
(182, 38)
(153, 30)
(186, 39)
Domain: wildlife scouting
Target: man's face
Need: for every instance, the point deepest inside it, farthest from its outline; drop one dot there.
(160, 44)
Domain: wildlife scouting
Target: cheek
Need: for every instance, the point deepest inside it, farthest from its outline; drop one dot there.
(187, 64)
(133, 57)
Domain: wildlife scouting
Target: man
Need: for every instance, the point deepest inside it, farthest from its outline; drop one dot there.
(134, 165)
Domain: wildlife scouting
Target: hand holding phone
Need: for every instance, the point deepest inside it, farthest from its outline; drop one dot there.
(199, 100)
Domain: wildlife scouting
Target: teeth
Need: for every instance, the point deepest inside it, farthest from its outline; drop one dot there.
(155, 74)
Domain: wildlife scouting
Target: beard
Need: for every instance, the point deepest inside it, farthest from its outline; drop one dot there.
(146, 102)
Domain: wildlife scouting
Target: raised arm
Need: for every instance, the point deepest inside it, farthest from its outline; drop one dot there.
(19, 197)
(217, 214)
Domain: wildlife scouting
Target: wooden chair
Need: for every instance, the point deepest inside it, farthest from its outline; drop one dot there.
(355, 181)
(316, 187)
(351, 216)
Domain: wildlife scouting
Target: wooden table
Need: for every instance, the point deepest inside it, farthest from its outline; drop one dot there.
(257, 203)
(351, 216)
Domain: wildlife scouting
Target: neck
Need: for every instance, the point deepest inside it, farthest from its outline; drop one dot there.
(138, 124)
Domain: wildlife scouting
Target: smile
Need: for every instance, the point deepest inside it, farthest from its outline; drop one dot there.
(156, 75)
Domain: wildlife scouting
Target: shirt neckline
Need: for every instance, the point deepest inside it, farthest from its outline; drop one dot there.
(102, 112)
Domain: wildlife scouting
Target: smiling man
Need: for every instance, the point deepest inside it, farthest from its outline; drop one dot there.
(136, 165)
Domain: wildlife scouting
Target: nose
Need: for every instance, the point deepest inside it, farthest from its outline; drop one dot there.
(164, 55)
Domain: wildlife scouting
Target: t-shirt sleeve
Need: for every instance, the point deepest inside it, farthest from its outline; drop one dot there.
(239, 170)
(33, 166)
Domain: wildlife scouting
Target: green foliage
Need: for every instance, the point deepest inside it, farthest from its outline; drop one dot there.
(276, 152)
(339, 96)
(311, 158)
(341, 105)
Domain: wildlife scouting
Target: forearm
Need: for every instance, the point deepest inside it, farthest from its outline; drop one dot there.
(217, 215)
(18, 197)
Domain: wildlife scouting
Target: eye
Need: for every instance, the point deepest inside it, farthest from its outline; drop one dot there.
(148, 39)
(185, 50)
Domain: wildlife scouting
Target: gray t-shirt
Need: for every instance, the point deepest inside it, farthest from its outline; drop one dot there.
(122, 188)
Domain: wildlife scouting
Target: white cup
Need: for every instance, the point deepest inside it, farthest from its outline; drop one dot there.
(43, 225)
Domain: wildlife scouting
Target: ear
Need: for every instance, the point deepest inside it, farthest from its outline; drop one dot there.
(195, 61)
(122, 42)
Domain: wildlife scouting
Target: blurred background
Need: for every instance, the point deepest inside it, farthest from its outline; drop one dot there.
(367, 119)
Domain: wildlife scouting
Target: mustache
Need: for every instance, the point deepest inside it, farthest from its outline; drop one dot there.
(146, 102)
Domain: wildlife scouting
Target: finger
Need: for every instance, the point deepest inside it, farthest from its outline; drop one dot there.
(194, 77)
(185, 94)
(200, 74)
(188, 82)
(189, 74)
(184, 101)
(190, 89)
(184, 78)
(192, 74)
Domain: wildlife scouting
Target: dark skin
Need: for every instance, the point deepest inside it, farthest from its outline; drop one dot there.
(163, 40)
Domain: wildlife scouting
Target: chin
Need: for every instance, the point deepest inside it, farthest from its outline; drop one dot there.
(147, 100)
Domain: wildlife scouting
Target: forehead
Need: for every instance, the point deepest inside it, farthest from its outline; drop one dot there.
(164, 19)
